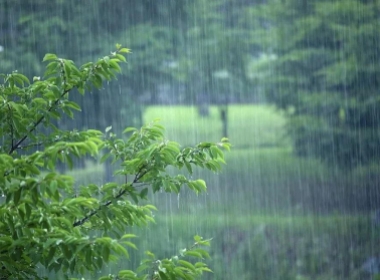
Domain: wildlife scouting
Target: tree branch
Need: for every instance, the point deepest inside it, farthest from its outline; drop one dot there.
(138, 176)
(19, 142)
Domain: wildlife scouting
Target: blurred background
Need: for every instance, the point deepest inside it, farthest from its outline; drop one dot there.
(293, 84)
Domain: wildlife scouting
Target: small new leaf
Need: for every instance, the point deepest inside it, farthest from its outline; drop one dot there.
(49, 56)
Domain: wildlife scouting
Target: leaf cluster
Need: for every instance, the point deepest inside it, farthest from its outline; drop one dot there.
(45, 218)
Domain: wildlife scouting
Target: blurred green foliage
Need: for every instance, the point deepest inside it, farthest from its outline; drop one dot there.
(174, 43)
(274, 247)
(315, 59)
(325, 72)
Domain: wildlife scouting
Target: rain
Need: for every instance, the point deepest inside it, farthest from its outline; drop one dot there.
(292, 84)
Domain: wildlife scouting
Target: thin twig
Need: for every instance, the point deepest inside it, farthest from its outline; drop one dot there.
(19, 142)
(138, 176)
(38, 144)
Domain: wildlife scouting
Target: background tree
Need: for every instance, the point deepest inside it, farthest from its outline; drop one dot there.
(184, 51)
(48, 221)
(217, 53)
(323, 76)
(81, 31)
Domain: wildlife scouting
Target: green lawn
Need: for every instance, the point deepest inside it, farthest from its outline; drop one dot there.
(261, 173)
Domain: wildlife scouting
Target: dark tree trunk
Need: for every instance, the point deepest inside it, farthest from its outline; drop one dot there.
(224, 118)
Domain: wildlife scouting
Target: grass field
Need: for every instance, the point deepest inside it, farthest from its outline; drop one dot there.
(249, 126)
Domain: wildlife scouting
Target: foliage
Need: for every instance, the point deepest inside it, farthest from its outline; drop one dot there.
(46, 218)
(219, 52)
(325, 74)
(315, 59)
(174, 43)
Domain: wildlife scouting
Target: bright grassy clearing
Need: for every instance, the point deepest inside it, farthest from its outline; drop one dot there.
(260, 167)
(256, 133)
(248, 125)
(261, 170)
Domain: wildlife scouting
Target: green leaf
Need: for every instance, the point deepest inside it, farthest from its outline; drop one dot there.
(16, 196)
(206, 269)
(114, 65)
(28, 210)
(144, 193)
(121, 57)
(130, 129)
(186, 264)
(127, 274)
(105, 278)
(49, 56)
(163, 276)
(97, 81)
(125, 236)
(124, 50)
(193, 254)
(189, 168)
(197, 238)
(88, 257)
(35, 196)
(201, 184)
(51, 254)
(104, 157)
(106, 253)
(67, 68)
(20, 79)
(72, 105)
(66, 252)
